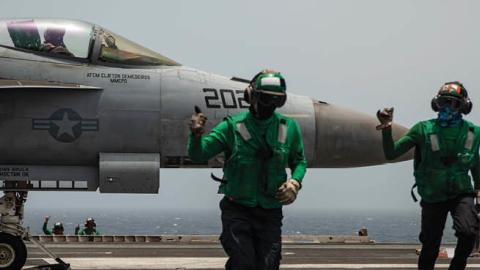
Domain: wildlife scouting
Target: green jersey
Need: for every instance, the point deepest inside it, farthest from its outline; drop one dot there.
(257, 153)
(443, 157)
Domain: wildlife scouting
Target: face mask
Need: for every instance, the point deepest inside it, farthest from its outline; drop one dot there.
(262, 112)
(447, 117)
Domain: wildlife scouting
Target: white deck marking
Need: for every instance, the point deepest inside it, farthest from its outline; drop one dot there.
(144, 263)
(69, 253)
(363, 266)
(209, 263)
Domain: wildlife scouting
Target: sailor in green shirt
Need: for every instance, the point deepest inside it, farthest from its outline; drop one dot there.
(258, 146)
(446, 150)
(90, 228)
(56, 230)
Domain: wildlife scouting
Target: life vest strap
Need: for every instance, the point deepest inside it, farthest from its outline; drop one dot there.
(282, 133)
(469, 140)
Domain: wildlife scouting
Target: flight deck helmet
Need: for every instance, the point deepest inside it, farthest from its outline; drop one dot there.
(58, 228)
(452, 94)
(268, 88)
(90, 222)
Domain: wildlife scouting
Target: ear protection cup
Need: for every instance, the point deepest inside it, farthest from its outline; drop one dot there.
(247, 94)
(433, 103)
(467, 106)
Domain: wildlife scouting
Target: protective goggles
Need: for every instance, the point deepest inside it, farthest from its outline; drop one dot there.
(270, 98)
(454, 103)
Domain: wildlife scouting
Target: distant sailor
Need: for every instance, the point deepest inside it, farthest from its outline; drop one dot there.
(90, 228)
(446, 149)
(56, 230)
(363, 231)
(258, 146)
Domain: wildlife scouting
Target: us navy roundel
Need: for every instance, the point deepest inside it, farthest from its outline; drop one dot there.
(65, 125)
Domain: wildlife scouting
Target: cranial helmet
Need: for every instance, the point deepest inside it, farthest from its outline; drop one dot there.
(58, 226)
(90, 221)
(268, 88)
(452, 94)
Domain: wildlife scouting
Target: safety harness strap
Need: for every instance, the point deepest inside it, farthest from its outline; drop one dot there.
(282, 133)
(469, 140)
(242, 129)
(434, 142)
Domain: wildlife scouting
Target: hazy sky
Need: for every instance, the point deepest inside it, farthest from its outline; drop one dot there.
(358, 54)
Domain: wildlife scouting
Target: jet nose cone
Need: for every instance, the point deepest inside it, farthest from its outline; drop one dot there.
(346, 138)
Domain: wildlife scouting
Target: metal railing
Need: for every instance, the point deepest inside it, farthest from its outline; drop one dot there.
(193, 239)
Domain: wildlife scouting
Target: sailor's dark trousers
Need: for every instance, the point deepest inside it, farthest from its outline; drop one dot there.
(251, 236)
(465, 224)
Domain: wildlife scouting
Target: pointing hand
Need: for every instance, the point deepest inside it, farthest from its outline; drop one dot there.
(198, 122)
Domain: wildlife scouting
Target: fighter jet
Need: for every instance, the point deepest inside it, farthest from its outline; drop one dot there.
(85, 109)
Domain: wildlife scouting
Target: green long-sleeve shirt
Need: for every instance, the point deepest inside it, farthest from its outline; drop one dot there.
(415, 137)
(243, 169)
(46, 231)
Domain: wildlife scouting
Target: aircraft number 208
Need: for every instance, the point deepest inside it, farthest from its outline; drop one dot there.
(226, 98)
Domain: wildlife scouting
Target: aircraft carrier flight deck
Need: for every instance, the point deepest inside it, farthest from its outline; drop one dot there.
(205, 252)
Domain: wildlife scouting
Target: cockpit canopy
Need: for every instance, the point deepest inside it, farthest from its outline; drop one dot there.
(77, 40)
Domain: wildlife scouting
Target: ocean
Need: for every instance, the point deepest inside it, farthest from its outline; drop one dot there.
(392, 226)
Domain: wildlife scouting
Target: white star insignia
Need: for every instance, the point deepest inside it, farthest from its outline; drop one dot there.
(65, 126)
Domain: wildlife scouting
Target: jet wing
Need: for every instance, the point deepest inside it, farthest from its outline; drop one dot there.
(6, 84)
